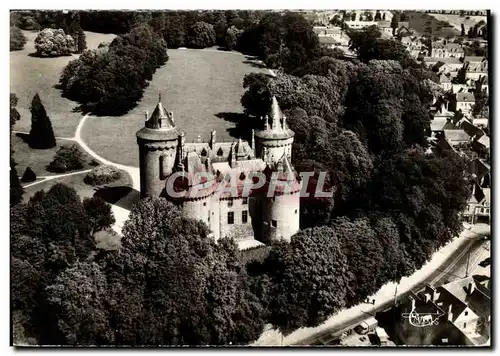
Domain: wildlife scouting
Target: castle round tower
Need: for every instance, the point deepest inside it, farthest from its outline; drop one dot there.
(275, 138)
(281, 212)
(157, 141)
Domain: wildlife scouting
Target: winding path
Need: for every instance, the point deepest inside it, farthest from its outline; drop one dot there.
(46, 178)
(121, 209)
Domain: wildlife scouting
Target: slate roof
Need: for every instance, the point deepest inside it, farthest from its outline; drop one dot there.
(456, 136)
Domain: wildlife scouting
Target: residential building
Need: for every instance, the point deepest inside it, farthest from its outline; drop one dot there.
(457, 313)
(446, 50)
(463, 102)
(477, 67)
(445, 82)
(449, 64)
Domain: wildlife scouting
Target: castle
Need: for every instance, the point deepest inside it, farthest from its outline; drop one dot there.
(163, 152)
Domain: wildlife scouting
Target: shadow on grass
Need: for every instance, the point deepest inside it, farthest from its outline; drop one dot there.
(36, 55)
(24, 136)
(114, 194)
(244, 124)
(255, 63)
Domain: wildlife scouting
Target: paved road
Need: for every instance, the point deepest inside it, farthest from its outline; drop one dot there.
(457, 258)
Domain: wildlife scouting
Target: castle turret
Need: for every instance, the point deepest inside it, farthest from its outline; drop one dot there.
(157, 142)
(280, 214)
(276, 136)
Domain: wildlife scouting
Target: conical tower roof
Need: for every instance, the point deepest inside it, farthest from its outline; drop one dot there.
(160, 118)
(160, 126)
(275, 123)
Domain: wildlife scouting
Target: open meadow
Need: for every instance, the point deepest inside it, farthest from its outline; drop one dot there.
(418, 20)
(197, 85)
(30, 75)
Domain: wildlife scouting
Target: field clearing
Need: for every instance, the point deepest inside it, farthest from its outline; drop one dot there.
(83, 190)
(417, 22)
(456, 21)
(196, 85)
(30, 75)
(39, 159)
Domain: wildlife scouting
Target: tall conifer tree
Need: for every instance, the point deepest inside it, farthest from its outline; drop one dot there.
(41, 134)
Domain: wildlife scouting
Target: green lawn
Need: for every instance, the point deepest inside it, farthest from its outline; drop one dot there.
(417, 22)
(84, 190)
(38, 159)
(30, 75)
(195, 84)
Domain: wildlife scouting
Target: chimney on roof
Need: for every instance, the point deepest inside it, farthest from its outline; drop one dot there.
(212, 139)
(470, 288)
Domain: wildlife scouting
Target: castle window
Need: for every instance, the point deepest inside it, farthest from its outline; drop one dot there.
(296, 211)
(209, 216)
(205, 203)
(230, 218)
(230, 203)
(466, 313)
(274, 223)
(245, 201)
(244, 217)
(465, 325)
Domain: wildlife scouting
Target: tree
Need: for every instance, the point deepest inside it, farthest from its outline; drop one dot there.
(232, 37)
(28, 176)
(462, 33)
(99, 213)
(17, 39)
(78, 297)
(81, 43)
(53, 43)
(383, 16)
(67, 158)
(395, 22)
(378, 17)
(461, 77)
(201, 35)
(14, 114)
(181, 288)
(41, 134)
(364, 256)
(309, 278)
(16, 190)
(353, 16)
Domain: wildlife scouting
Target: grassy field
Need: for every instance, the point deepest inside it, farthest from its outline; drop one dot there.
(30, 75)
(85, 190)
(417, 22)
(195, 84)
(38, 159)
(456, 21)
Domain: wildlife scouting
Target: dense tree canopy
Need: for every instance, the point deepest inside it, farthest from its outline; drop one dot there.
(309, 278)
(201, 35)
(111, 81)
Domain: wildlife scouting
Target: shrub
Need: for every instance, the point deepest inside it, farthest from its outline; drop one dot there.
(54, 43)
(67, 158)
(102, 175)
(17, 39)
(94, 163)
(28, 176)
